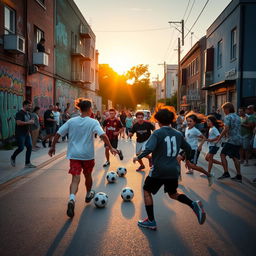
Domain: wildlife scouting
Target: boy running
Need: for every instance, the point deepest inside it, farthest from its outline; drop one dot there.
(113, 128)
(164, 144)
(143, 130)
(81, 130)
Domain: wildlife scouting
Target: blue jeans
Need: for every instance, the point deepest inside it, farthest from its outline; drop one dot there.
(23, 140)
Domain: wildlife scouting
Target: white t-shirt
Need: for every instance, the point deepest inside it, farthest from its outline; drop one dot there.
(56, 116)
(191, 136)
(81, 132)
(213, 133)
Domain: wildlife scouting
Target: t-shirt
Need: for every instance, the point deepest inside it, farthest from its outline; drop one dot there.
(128, 122)
(48, 114)
(143, 131)
(191, 136)
(22, 129)
(56, 116)
(213, 133)
(165, 144)
(245, 131)
(36, 124)
(233, 121)
(122, 118)
(80, 132)
(112, 125)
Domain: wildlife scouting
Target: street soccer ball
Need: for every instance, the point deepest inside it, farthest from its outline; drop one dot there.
(127, 194)
(111, 177)
(121, 171)
(101, 200)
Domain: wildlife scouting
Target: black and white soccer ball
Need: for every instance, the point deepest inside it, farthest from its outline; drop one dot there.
(127, 194)
(111, 177)
(101, 199)
(121, 171)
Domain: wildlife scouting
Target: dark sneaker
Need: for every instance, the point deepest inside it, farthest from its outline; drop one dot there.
(89, 196)
(71, 209)
(44, 143)
(199, 211)
(12, 162)
(237, 178)
(146, 223)
(30, 165)
(120, 154)
(140, 168)
(106, 164)
(224, 176)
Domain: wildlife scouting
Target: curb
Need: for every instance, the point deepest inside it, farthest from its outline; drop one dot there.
(246, 181)
(14, 179)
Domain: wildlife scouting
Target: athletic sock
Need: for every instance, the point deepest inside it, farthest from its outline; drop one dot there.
(72, 197)
(185, 200)
(150, 212)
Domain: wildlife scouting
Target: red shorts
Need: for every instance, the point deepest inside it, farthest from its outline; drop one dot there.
(76, 166)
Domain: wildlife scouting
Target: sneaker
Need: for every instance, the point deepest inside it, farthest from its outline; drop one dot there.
(202, 175)
(12, 162)
(237, 178)
(246, 164)
(140, 168)
(189, 171)
(146, 223)
(89, 196)
(106, 164)
(199, 211)
(30, 165)
(44, 143)
(120, 154)
(71, 209)
(210, 179)
(224, 176)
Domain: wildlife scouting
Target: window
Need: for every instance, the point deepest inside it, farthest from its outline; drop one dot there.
(197, 66)
(219, 54)
(9, 21)
(233, 44)
(38, 34)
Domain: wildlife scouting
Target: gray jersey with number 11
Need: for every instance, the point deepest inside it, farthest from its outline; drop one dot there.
(165, 144)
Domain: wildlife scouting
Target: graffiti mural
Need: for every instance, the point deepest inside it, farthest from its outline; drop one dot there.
(11, 97)
(67, 93)
(42, 91)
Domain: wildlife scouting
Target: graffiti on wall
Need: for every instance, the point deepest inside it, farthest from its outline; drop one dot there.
(42, 91)
(66, 93)
(11, 97)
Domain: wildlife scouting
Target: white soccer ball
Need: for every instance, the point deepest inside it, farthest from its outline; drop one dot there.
(121, 171)
(127, 194)
(111, 177)
(101, 199)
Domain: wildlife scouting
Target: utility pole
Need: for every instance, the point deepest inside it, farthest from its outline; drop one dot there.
(164, 64)
(181, 23)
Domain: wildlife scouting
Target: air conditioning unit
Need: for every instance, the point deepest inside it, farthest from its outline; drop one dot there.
(14, 43)
(40, 58)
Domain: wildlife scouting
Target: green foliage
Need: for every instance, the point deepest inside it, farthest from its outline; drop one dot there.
(170, 101)
(123, 94)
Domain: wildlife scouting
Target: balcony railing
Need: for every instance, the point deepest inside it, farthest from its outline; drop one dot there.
(79, 77)
(81, 52)
(84, 31)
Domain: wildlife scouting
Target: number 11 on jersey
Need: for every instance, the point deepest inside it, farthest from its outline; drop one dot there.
(171, 146)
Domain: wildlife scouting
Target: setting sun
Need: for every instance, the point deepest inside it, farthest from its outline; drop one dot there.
(120, 65)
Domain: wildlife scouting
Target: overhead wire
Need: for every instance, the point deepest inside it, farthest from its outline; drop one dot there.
(191, 8)
(186, 9)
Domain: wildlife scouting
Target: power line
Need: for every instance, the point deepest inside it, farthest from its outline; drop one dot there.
(128, 31)
(197, 18)
(186, 10)
(190, 11)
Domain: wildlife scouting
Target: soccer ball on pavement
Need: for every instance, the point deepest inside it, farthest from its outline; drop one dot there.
(127, 194)
(111, 177)
(121, 171)
(101, 199)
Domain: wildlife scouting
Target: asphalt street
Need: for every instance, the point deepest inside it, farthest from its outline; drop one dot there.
(33, 217)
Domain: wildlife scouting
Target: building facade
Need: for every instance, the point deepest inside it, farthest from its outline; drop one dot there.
(65, 70)
(171, 80)
(75, 56)
(230, 71)
(192, 78)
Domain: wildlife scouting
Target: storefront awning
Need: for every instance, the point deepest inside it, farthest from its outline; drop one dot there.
(224, 83)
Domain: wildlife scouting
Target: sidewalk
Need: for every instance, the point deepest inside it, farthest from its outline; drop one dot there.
(248, 172)
(39, 158)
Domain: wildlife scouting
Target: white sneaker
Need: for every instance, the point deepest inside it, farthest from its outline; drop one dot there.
(30, 165)
(202, 175)
(189, 171)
